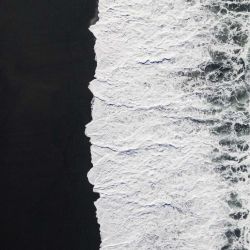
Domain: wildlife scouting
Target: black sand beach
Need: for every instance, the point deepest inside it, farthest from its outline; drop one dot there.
(46, 63)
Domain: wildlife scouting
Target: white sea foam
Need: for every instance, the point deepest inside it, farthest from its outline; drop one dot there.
(158, 112)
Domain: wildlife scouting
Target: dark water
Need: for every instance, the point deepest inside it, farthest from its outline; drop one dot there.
(227, 90)
(46, 63)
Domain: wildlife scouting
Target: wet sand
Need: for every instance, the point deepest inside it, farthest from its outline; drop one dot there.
(46, 63)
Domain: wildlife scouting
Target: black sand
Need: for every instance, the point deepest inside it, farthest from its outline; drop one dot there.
(46, 63)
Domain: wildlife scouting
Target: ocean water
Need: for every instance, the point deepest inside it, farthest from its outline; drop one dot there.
(170, 129)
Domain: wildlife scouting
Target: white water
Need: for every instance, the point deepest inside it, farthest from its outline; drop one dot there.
(164, 125)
